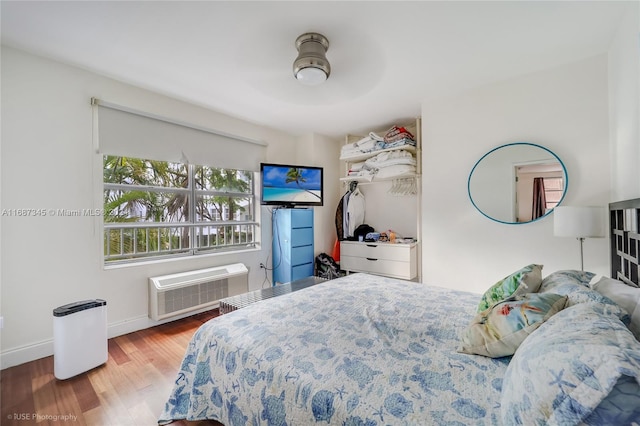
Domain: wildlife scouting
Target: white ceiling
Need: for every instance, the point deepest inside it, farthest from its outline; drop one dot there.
(386, 57)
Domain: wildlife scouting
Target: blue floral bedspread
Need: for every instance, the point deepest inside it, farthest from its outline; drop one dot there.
(358, 350)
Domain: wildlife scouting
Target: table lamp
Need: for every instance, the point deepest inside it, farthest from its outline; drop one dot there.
(580, 223)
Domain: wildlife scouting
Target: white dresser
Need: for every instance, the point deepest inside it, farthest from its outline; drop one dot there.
(388, 259)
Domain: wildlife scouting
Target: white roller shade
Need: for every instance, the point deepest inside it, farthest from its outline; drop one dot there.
(135, 134)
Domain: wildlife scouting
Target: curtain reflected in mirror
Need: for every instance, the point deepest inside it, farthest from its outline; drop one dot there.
(539, 200)
(517, 183)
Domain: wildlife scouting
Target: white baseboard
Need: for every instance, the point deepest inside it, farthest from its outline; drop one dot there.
(20, 355)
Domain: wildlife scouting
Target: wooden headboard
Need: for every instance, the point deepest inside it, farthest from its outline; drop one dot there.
(624, 217)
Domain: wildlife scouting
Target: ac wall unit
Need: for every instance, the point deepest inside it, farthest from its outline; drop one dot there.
(184, 292)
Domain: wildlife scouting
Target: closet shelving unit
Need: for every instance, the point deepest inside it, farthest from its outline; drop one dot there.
(400, 260)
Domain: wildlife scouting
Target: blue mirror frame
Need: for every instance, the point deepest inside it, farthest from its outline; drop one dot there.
(514, 144)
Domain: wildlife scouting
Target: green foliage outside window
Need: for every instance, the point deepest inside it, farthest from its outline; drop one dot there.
(162, 208)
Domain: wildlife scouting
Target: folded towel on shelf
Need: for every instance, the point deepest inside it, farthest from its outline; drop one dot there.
(369, 143)
(366, 174)
(356, 167)
(366, 145)
(395, 137)
(396, 170)
(389, 158)
(376, 137)
(399, 142)
(396, 133)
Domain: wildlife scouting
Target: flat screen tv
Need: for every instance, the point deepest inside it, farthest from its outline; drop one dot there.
(290, 186)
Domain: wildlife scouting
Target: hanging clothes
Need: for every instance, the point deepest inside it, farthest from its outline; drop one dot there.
(348, 217)
(355, 210)
(345, 220)
(342, 226)
(340, 214)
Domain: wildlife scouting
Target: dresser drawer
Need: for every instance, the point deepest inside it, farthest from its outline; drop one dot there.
(301, 218)
(301, 271)
(301, 255)
(301, 237)
(388, 251)
(389, 268)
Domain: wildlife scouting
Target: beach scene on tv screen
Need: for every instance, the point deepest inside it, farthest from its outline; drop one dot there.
(291, 184)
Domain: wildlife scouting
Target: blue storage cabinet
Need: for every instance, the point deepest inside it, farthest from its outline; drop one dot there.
(292, 244)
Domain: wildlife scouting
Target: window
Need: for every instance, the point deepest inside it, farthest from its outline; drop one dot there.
(553, 191)
(160, 208)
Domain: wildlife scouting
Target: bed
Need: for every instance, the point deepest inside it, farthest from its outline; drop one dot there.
(370, 350)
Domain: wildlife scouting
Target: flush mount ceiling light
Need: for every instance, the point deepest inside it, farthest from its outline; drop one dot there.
(311, 67)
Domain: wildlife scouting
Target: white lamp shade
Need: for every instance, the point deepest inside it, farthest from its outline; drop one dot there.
(578, 222)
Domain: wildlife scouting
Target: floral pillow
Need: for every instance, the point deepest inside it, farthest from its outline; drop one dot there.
(575, 285)
(501, 329)
(563, 372)
(525, 280)
(566, 278)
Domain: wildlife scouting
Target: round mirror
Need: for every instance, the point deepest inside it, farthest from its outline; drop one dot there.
(517, 183)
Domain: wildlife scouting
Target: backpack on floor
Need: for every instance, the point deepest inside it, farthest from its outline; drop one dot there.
(326, 267)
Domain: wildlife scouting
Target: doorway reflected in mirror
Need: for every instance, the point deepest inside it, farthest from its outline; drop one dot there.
(539, 188)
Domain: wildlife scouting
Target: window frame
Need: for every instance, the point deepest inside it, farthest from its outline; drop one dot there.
(547, 190)
(193, 224)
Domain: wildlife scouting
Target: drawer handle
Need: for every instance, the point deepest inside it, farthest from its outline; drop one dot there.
(370, 258)
(371, 245)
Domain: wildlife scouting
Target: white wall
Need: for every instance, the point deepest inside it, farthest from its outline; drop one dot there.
(321, 150)
(624, 107)
(563, 109)
(48, 161)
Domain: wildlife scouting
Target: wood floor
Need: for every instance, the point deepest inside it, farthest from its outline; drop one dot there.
(130, 389)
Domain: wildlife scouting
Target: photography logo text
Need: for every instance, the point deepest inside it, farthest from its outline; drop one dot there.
(37, 417)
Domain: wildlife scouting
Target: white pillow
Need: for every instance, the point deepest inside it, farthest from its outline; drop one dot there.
(624, 295)
(595, 279)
